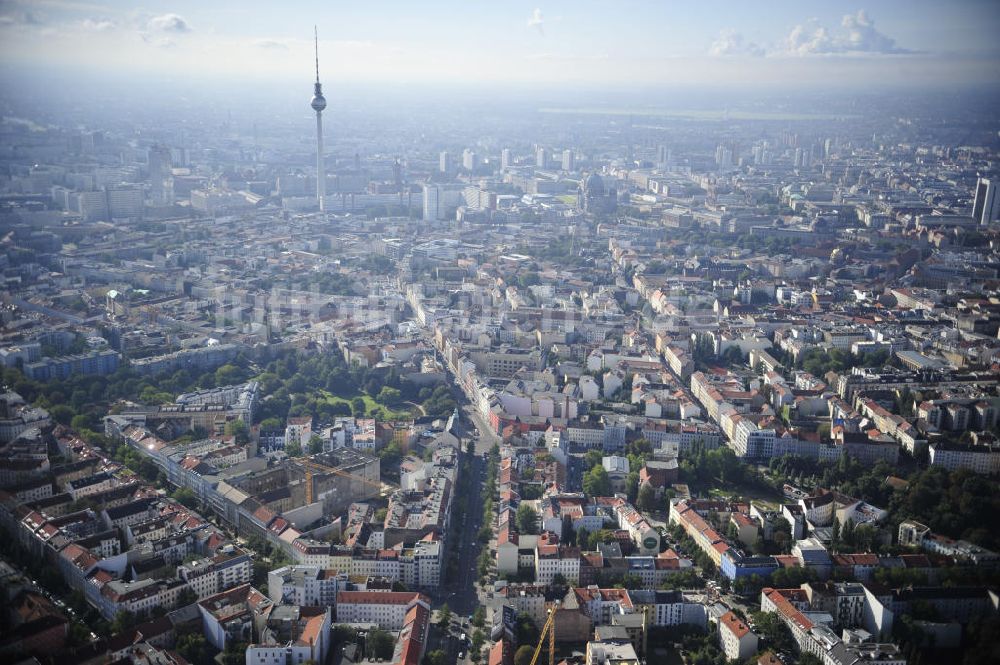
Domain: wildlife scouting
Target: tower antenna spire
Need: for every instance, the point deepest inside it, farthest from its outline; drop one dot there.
(318, 103)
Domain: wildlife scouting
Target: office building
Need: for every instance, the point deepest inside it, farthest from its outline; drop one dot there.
(125, 201)
(432, 203)
(986, 208)
(469, 160)
(160, 164)
(567, 160)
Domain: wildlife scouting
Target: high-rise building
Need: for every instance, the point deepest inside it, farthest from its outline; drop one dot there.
(662, 155)
(724, 156)
(803, 158)
(318, 103)
(540, 158)
(159, 172)
(505, 159)
(469, 159)
(432, 203)
(92, 205)
(444, 162)
(567, 160)
(986, 208)
(125, 201)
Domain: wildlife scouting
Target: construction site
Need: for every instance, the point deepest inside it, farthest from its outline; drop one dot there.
(336, 479)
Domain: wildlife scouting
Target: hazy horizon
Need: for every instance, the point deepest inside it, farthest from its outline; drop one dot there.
(788, 46)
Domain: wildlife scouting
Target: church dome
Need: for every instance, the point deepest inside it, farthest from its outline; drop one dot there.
(594, 185)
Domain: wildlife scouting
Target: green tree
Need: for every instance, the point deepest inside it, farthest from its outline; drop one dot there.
(227, 375)
(380, 644)
(524, 654)
(847, 533)
(62, 414)
(596, 482)
(479, 616)
(527, 519)
(185, 497)
(647, 497)
(315, 444)
(235, 653)
(773, 630)
(272, 424)
(293, 449)
(526, 630)
(632, 485)
(194, 648)
(238, 429)
(124, 621)
(81, 422)
(389, 396)
(444, 617)
(344, 634)
(358, 407)
(436, 657)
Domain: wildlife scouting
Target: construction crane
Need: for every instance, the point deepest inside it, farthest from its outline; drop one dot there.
(317, 467)
(548, 629)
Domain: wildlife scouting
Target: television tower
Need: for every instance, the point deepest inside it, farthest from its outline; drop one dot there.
(318, 103)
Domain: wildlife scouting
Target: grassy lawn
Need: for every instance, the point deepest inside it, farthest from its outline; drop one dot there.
(371, 406)
(746, 491)
(666, 656)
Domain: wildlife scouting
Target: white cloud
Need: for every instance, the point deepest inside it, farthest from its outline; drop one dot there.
(536, 21)
(568, 58)
(97, 25)
(810, 38)
(271, 45)
(863, 37)
(169, 23)
(730, 42)
(856, 35)
(22, 18)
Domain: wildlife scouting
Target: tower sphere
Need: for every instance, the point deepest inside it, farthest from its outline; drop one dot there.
(318, 102)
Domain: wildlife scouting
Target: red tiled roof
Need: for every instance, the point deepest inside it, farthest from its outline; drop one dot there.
(734, 624)
(500, 653)
(786, 608)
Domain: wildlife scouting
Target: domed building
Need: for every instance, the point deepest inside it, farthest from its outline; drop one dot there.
(594, 197)
(594, 185)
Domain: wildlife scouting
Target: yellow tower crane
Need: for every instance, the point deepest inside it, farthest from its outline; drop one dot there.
(317, 467)
(549, 631)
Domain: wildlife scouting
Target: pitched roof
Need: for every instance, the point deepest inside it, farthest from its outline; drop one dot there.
(734, 624)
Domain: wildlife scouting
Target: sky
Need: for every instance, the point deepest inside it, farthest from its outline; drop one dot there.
(783, 44)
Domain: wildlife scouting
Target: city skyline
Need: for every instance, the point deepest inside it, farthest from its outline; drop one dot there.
(800, 44)
(629, 333)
